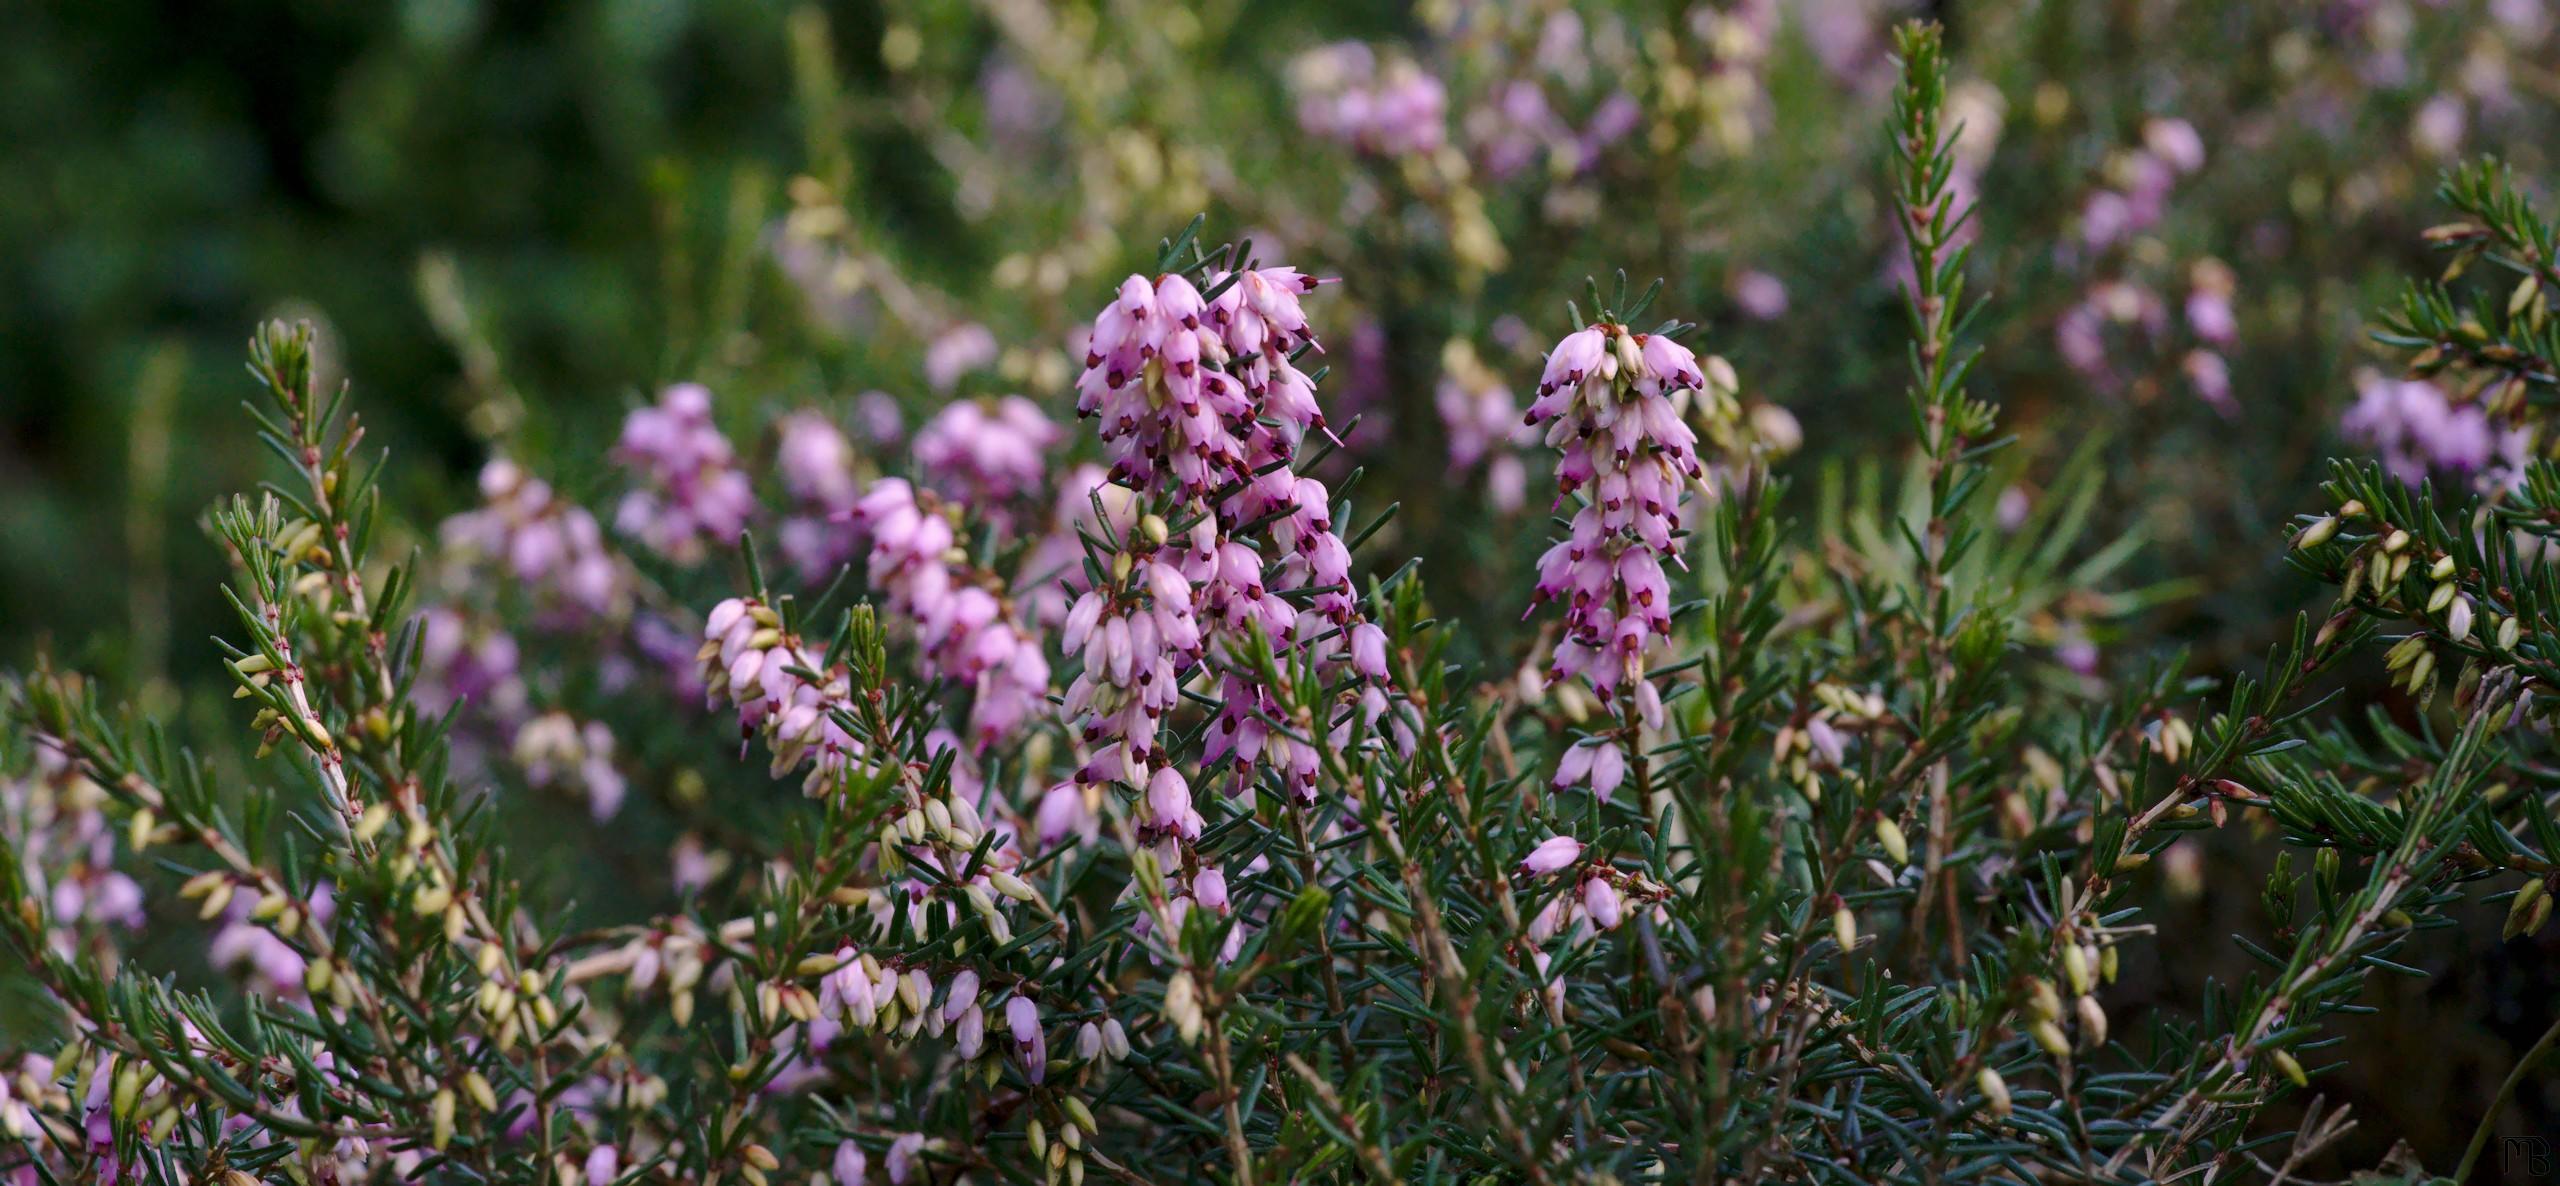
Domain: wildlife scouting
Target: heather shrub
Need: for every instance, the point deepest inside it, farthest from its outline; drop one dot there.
(1098, 779)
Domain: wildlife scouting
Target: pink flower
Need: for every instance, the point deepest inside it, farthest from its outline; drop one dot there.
(816, 461)
(691, 495)
(969, 631)
(1761, 296)
(1600, 901)
(1369, 650)
(2211, 378)
(1606, 401)
(956, 352)
(2416, 429)
(1344, 96)
(1553, 853)
(548, 546)
(1169, 807)
(1210, 888)
(1202, 410)
(850, 1167)
(903, 1154)
(2174, 141)
(1599, 765)
(987, 454)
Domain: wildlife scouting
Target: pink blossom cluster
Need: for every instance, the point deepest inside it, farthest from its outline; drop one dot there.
(748, 661)
(2111, 309)
(1483, 424)
(548, 545)
(968, 630)
(1134, 640)
(1608, 401)
(957, 351)
(1517, 122)
(691, 494)
(58, 832)
(1397, 109)
(988, 454)
(2142, 178)
(2418, 431)
(1201, 404)
(2125, 306)
(816, 463)
(558, 750)
(469, 658)
(1180, 382)
(867, 994)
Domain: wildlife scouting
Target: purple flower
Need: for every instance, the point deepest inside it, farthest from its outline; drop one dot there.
(851, 1165)
(2211, 378)
(748, 661)
(2174, 142)
(1599, 765)
(816, 461)
(557, 750)
(2417, 430)
(1202, 409)
(903, 1153)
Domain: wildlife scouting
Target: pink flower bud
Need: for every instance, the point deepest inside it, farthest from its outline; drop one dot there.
(1210, 887)
(1600, 900)
(1553, 853)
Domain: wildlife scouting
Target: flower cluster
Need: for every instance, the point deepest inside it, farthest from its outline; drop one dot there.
(1609, 401)
(1516, 123)
(2123, 304)
(1345, 94)
(816, 463)
(748, 661)
(969, 632)
(692, 496)
(1134, 639)
(2141, 179)
(547, 545)
(987, 454)
(2419, 431)
(57, 830)
(1203, 409)
(557, 750)
(1483, 423)
(1180, 383)
(465, 658)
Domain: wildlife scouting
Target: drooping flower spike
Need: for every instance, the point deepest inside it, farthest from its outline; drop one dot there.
(1610, 403)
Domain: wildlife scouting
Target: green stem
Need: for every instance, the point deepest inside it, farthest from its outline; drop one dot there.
(2506, 1092)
